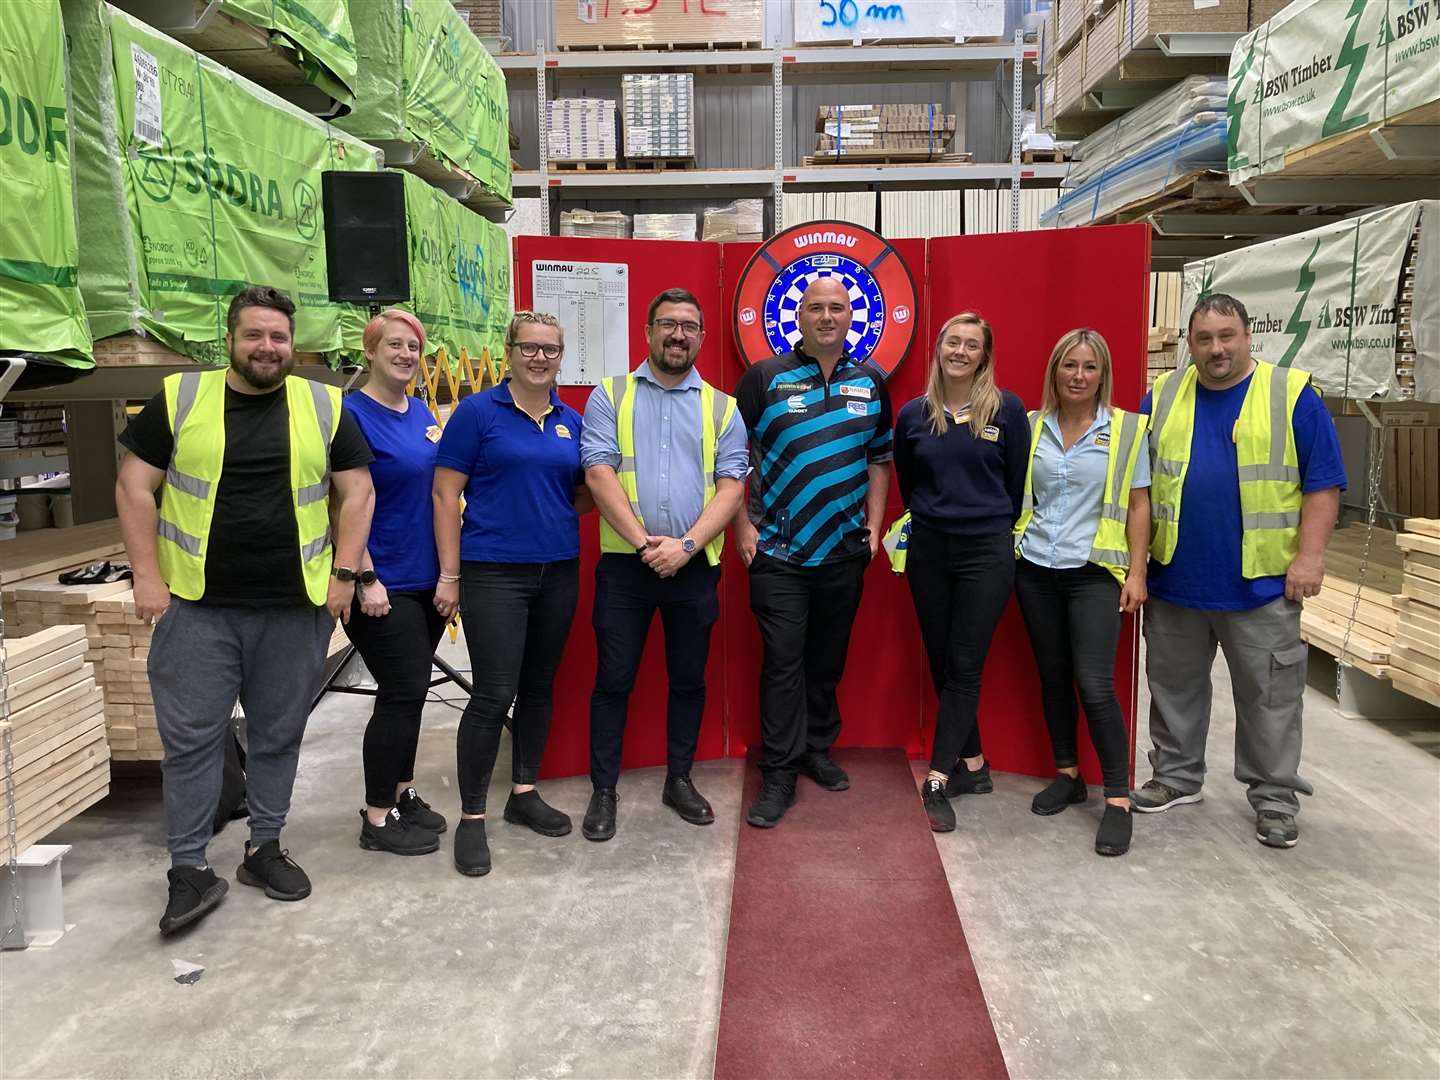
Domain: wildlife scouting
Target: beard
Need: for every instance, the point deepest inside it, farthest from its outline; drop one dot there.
(673, 366)
(262, 380)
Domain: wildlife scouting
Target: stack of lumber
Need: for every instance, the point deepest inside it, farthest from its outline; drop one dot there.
(1163, 353)
(869, 132)
(57, 730)
(1327, 616)
(1415, 658)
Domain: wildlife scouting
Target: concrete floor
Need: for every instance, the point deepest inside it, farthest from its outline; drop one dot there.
(1200, 954)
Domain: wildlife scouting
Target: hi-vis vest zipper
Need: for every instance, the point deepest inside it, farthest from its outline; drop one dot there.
(715, 411)
(1109, 548)
(195, 404)
(1270, 495)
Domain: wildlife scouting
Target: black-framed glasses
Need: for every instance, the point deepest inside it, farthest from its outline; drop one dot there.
(688, 328)
(528, 349)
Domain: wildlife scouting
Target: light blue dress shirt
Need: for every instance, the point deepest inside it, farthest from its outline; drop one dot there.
(668, 428)
(1069, 487)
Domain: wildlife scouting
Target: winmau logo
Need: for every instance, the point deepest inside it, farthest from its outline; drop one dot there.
(840, 239)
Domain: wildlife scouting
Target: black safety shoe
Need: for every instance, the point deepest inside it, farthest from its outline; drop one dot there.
(416, 811)
(271, 869)
(599, 823)
(1063, 791)
(680, 795)
(1274, 829)
(819, 767)
(775, 798)
(397, 836)
(528, 809)
(937, 806)
(964, 781)
(194, 893)
(1113, 836)
(472, 850)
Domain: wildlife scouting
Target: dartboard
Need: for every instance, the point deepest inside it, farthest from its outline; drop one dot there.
(882, 292)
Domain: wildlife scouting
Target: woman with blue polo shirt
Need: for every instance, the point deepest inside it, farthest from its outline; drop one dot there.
(513, 567)
(1082, 542)
(395, 624)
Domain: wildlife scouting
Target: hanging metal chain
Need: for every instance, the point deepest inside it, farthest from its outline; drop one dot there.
(14, 937)
(1374, 465)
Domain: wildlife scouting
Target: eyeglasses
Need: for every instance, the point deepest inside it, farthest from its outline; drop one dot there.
(529, 349)
(689, 329)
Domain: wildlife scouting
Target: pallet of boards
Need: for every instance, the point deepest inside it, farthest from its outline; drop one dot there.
(1415, 658)
(60, 758)
(1353, 617)
(1411, 474)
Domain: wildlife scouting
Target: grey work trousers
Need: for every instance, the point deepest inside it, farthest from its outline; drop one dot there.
(202, 658)
(1267, 662)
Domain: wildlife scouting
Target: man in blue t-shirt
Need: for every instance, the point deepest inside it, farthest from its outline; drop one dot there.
(1241, 520)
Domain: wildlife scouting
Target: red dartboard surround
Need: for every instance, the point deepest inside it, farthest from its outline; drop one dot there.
(882, 292)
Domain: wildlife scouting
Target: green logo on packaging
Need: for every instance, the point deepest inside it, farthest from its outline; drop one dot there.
(1299, 328)
(307, 210)
(157, 170)
(1352, 62)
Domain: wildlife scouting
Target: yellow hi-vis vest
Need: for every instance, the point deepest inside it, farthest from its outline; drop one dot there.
(1269, 466)
(195, 404)
(715, 411)
(1110, 548)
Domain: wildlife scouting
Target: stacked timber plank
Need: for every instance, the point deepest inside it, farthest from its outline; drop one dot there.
(1415, 657)
(1327, 616)
(874, 132)
(61, 763)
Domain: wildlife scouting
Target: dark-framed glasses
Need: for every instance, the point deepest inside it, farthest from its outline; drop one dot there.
(688, 328)
(529, 349)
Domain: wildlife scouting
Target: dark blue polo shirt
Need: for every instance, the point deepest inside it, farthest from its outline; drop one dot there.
(520, 498)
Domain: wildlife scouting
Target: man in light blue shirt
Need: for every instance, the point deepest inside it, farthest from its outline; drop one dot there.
(665, 457)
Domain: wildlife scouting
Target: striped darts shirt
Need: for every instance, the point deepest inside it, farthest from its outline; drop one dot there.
(810, 444)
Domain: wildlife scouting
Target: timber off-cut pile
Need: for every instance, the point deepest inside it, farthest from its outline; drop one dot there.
(1415, 659)
(1326, 617)
(117, 644)
(61, 763)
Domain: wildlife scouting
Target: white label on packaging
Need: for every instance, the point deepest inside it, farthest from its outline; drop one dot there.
(587, 11)
(1201, 5)
(147, 96)
(592, 302)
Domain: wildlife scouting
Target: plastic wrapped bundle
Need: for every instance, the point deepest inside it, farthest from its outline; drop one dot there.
(595, 224)
(664, 227)
(1195, 102)
(743, 219)
(581, 129)
(659, 113)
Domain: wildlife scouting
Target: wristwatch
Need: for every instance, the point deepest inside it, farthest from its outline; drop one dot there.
(366, 577)
(342, 573)
(688, 544)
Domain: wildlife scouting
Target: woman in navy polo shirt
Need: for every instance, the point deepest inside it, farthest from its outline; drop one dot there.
(513, 567)
(395, 623)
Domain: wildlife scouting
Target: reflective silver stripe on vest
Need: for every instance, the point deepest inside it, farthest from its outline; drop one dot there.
(315, 548)
(1168, 467)
(1162, 512)
(1128, 429)
(325, 414)
(1289, 473)
(1279, 416)
(1028, 503)
(183, 540)
(1113, 511)
(620, 386)
(717, 411)
(1288, 519)
(1107, 555)
(314, 492)
(190, 485)
(185, 399)
(1160, 410)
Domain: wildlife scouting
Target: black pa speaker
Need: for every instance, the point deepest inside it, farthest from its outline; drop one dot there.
(367, 251)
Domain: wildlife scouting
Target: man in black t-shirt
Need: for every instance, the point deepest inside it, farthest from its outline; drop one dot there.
(234, 567)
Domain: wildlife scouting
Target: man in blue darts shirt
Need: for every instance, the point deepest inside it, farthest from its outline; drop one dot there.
(1245, 487)
(820, 452)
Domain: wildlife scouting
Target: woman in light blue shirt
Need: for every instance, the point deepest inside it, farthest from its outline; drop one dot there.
(1081, 542)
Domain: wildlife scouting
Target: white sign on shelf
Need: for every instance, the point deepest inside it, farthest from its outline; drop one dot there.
(591, 300)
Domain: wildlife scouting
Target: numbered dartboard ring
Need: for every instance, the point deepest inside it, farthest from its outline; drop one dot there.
(882, 292)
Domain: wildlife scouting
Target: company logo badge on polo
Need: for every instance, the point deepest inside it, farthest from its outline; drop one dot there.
(562, 431)
(847, 390)
(796, 404)
(882, 292)
(1102, 438)
(990, 433)
(432, 433)
(858, 408)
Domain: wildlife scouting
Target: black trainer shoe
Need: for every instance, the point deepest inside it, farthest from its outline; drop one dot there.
(528, 809)
(1063, 791)
(416, 811)
(775, 798)
(599, 823)
(818, 766)
(1113, 836)
(194, 893)
(397, 836)
(964, 781)
(271, 869)
(937, 806)
(1154, 797)
(1274, 829)
(680, 795)
(472, 850)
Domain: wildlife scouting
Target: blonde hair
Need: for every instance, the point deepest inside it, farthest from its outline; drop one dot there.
(1050, 398)
(521, 318)
(984, 397)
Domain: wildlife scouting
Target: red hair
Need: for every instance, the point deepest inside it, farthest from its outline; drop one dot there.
(375, 328)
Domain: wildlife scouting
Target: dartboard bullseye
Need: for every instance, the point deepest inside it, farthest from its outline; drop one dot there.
(882, 292)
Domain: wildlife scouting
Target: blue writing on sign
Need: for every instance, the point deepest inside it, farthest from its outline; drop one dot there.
(847, 12)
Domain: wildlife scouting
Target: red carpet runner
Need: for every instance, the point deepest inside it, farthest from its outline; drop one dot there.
(846, 956)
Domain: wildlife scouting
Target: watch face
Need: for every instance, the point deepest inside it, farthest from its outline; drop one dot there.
(366, 577)
(688, 544)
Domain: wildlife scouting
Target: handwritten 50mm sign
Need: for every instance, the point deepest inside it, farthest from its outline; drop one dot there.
(882, 292)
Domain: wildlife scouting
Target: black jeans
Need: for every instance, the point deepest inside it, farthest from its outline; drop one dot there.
(805, 615)
(1074, 621)
(516, 617)
(960, 585)
(397, 648)
(627, 593)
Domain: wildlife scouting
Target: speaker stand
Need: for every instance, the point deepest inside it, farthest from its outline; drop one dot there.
(447, 674)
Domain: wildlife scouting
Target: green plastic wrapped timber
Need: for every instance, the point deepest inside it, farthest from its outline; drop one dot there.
(193, 182)
(459, 276)
(425, 78)
(40, 305)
